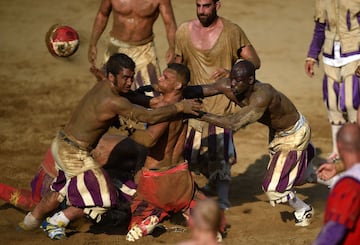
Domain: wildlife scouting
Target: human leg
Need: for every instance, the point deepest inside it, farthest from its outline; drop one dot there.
(47, 204)
(55, 225)
(221, 155)
(334, 99)
(289, 161)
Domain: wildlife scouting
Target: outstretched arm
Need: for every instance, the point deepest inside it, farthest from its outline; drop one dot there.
(247, 115)
(100, 23)
(168, 17)
(235, 121)
(221, 86)
(123, 107)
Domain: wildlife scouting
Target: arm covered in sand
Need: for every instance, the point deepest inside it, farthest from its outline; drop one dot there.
(247, 115)
(151, 135)
(137, 113)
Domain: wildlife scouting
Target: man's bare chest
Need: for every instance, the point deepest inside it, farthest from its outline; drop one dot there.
(140, 8)
(204, 39)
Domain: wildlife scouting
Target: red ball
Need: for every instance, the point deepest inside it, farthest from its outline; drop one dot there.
(62, 41)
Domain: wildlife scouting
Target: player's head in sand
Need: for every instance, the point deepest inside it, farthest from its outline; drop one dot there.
(206, 11)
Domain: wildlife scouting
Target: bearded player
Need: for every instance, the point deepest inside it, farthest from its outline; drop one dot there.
(209, 46)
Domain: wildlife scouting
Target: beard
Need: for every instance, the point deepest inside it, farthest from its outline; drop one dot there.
(207, 20)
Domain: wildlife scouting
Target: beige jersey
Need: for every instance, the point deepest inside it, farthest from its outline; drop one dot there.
(202, 63)
(342, 23)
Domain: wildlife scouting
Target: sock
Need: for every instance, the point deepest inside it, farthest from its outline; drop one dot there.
(298, 204)
(59, 219)
(334, 130)
(30, 222)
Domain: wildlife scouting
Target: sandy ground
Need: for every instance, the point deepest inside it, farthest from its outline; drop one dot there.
(38, 93)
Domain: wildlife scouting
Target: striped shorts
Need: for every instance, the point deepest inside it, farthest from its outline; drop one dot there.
(341, 93)
(81, 180)
(210, 150)
(290, 155)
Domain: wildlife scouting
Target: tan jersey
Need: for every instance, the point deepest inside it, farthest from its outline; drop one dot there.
(342, 23)
(202, 63)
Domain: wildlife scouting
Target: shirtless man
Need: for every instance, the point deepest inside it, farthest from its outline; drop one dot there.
(96, 112)
(165, 183)
(132, 34)
(209, 46)
(290, 148)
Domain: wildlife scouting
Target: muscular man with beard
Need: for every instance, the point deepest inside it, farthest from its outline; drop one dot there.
(209, 46)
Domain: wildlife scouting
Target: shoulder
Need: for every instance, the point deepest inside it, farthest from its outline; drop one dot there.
(182, 31)
(231, 25)
(263, 92)
(184, 26)
(118, 101)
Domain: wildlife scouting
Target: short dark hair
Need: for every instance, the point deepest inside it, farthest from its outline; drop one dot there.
(182, 70)
(118, 62)
(243, 68)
